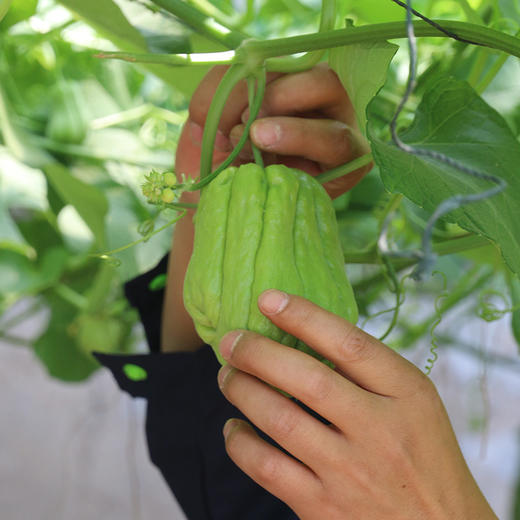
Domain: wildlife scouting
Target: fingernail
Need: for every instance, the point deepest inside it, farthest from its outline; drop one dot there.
(222, 374)
(228, 343)
(230, 425)
(266, 134)
(273, 301)
(245, 115)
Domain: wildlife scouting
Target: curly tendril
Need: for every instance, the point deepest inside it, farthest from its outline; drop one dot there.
(488, 311)
(430, 362)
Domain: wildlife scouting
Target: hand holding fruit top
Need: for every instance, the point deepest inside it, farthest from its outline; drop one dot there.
(306, 122)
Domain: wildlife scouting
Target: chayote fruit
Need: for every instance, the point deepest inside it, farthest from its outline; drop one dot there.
(263, 228)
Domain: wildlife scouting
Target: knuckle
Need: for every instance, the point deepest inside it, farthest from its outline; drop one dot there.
(284, 422)
(268, 470)
(319, 384)
(355, 346)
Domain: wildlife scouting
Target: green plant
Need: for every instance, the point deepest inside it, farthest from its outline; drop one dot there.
(78, 201)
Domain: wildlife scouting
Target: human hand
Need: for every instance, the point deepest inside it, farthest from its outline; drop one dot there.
(306, 122)
(389, 452)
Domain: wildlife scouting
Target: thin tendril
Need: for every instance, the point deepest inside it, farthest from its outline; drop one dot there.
(435, 24)
(108, 254)
(434, 345)
(488, 311)
(426, 256)
(251, 85)
(396, 287)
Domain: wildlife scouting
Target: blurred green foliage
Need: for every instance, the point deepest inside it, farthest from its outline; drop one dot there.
(79, 133)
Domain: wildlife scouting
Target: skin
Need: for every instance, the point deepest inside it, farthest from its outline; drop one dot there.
(389, 451)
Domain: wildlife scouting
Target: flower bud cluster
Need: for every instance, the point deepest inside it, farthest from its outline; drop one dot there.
(160, 187)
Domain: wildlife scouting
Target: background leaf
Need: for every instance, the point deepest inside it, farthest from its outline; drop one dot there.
(454, 120)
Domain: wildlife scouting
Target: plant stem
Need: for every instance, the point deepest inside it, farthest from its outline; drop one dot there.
(251, 98)
(71, 296)
(307, 61)
(253, 112)
(344, 169)
(233, 75)
(483, 84)
(173, 60)
(202, 23)
(478, 67)
(477, 34)
(441, 248)
(256, 51)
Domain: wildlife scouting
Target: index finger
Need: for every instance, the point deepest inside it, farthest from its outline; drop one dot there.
(357, 355)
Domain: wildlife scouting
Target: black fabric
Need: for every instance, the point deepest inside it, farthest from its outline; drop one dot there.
(185, 415)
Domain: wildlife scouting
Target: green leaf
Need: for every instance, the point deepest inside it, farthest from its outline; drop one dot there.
(89, 201)
(21, 276)
(18, 10)
(362, 69)
(109, 20)
(57, 348)
(514, 286)
(454, 120)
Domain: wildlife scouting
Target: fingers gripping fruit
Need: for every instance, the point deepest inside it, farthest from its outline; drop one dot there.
(258, 229)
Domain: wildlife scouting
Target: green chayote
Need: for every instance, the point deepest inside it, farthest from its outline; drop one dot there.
(262, 228)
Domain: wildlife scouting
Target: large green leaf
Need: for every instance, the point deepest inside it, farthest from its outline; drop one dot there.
(362, 69)
(454, 120)
(89, 201)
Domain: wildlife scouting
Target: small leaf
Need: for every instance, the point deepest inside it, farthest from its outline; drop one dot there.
(362, 69)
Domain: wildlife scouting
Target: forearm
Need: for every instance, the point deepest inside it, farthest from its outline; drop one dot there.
(178, 332)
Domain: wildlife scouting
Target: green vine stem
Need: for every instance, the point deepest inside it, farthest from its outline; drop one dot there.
(477, 34)
(254, 52)
(308, 60)
(445, 247)
(173, 60)
(234, 74)
(344, 169)
(257, 154)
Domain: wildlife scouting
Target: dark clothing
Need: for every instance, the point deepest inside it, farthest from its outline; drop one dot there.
(185, 415)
